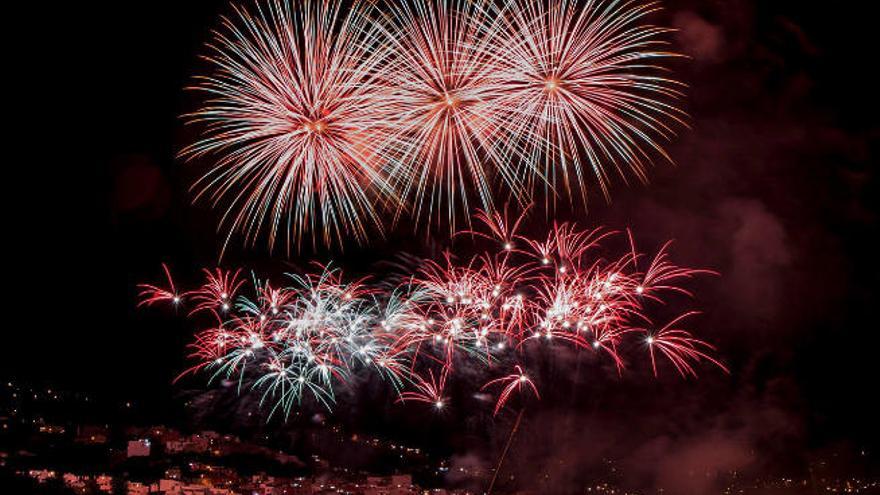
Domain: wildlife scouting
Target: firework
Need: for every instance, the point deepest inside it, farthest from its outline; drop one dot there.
(153, 294)
(521, 300)
(218, 291)
(294, 342)
(292, 117)
(511, 383)
(680, 347)
(446, 82)
(320, 118)
(428, 390)
(584, 92)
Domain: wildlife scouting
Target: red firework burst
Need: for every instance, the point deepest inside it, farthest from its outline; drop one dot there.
(585, 93)
(294, 118)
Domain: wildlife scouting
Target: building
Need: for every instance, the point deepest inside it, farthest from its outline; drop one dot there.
(170, 487)
(135, 488)
(92, 434)
(41, 475)
(399, 484)
(138, 448)
(104, 482)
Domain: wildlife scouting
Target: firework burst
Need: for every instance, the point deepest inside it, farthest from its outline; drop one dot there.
(584, 93)
(293, 117)
(445, 78)
(522, 300)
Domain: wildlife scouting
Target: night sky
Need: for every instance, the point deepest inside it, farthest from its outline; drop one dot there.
(772, 187)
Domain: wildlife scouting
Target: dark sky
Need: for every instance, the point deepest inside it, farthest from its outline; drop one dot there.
(772, 188)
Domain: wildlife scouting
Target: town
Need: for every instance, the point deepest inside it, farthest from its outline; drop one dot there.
(46, 453)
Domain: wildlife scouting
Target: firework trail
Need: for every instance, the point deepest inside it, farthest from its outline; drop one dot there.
(502, 308)
(320, 118)
(505, 450)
